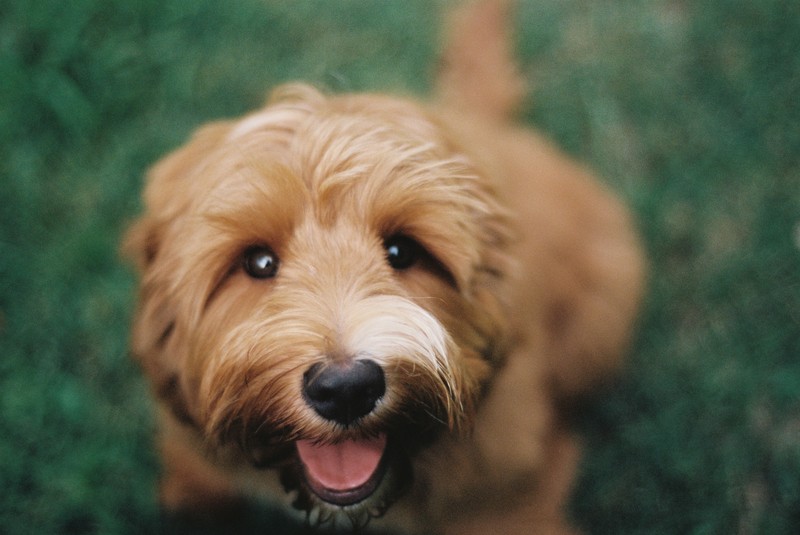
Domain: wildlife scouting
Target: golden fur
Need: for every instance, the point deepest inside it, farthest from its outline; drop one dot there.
(525, 295)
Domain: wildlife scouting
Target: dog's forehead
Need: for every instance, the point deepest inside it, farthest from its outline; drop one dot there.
(349, 161)
(346, 144)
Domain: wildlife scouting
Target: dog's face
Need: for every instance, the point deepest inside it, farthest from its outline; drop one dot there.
(322, 286)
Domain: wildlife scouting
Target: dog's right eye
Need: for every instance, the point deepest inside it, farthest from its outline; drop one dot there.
(260, 262)
(402, 252)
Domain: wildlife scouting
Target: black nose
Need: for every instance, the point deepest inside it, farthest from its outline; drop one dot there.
(345, 392)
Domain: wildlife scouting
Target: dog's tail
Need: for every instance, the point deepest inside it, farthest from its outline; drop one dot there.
(478, 71)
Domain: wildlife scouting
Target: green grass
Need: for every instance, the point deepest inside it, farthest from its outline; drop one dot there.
(691, 109)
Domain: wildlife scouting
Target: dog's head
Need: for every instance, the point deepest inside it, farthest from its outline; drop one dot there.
(322, 285)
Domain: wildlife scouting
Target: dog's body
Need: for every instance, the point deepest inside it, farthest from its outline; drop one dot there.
(371, 308)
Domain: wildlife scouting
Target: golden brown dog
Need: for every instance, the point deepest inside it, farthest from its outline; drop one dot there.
(367, 307)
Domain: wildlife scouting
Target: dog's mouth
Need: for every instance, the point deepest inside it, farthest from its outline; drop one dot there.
(347, 483)
(345, 473)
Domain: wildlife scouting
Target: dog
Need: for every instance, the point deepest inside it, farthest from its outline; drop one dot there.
(372, 309)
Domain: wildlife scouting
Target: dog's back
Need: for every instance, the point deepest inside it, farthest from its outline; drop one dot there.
(579, 255)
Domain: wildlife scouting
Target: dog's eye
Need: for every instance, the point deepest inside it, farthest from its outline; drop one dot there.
(260, 262)
(402, 252)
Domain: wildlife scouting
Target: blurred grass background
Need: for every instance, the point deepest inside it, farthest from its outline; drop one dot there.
(690, 108)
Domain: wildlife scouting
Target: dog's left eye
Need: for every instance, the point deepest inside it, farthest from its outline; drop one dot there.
(260, 262)
(402, 252)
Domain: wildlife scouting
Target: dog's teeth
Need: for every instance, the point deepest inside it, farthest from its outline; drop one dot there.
(313, 516)
(375, 512)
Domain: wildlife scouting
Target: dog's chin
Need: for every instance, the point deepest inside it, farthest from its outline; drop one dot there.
(349, 483)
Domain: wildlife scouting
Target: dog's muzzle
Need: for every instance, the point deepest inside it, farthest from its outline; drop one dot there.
(349, 471)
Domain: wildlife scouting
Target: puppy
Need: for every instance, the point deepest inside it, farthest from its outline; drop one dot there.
(366, 307)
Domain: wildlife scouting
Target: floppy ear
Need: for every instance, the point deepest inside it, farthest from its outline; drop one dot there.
(163, 198)
(141, 243)
(166, 198)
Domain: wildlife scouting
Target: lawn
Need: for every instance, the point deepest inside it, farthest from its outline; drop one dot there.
(690, 109)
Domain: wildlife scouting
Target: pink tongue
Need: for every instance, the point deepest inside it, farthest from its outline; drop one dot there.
(343, 466)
